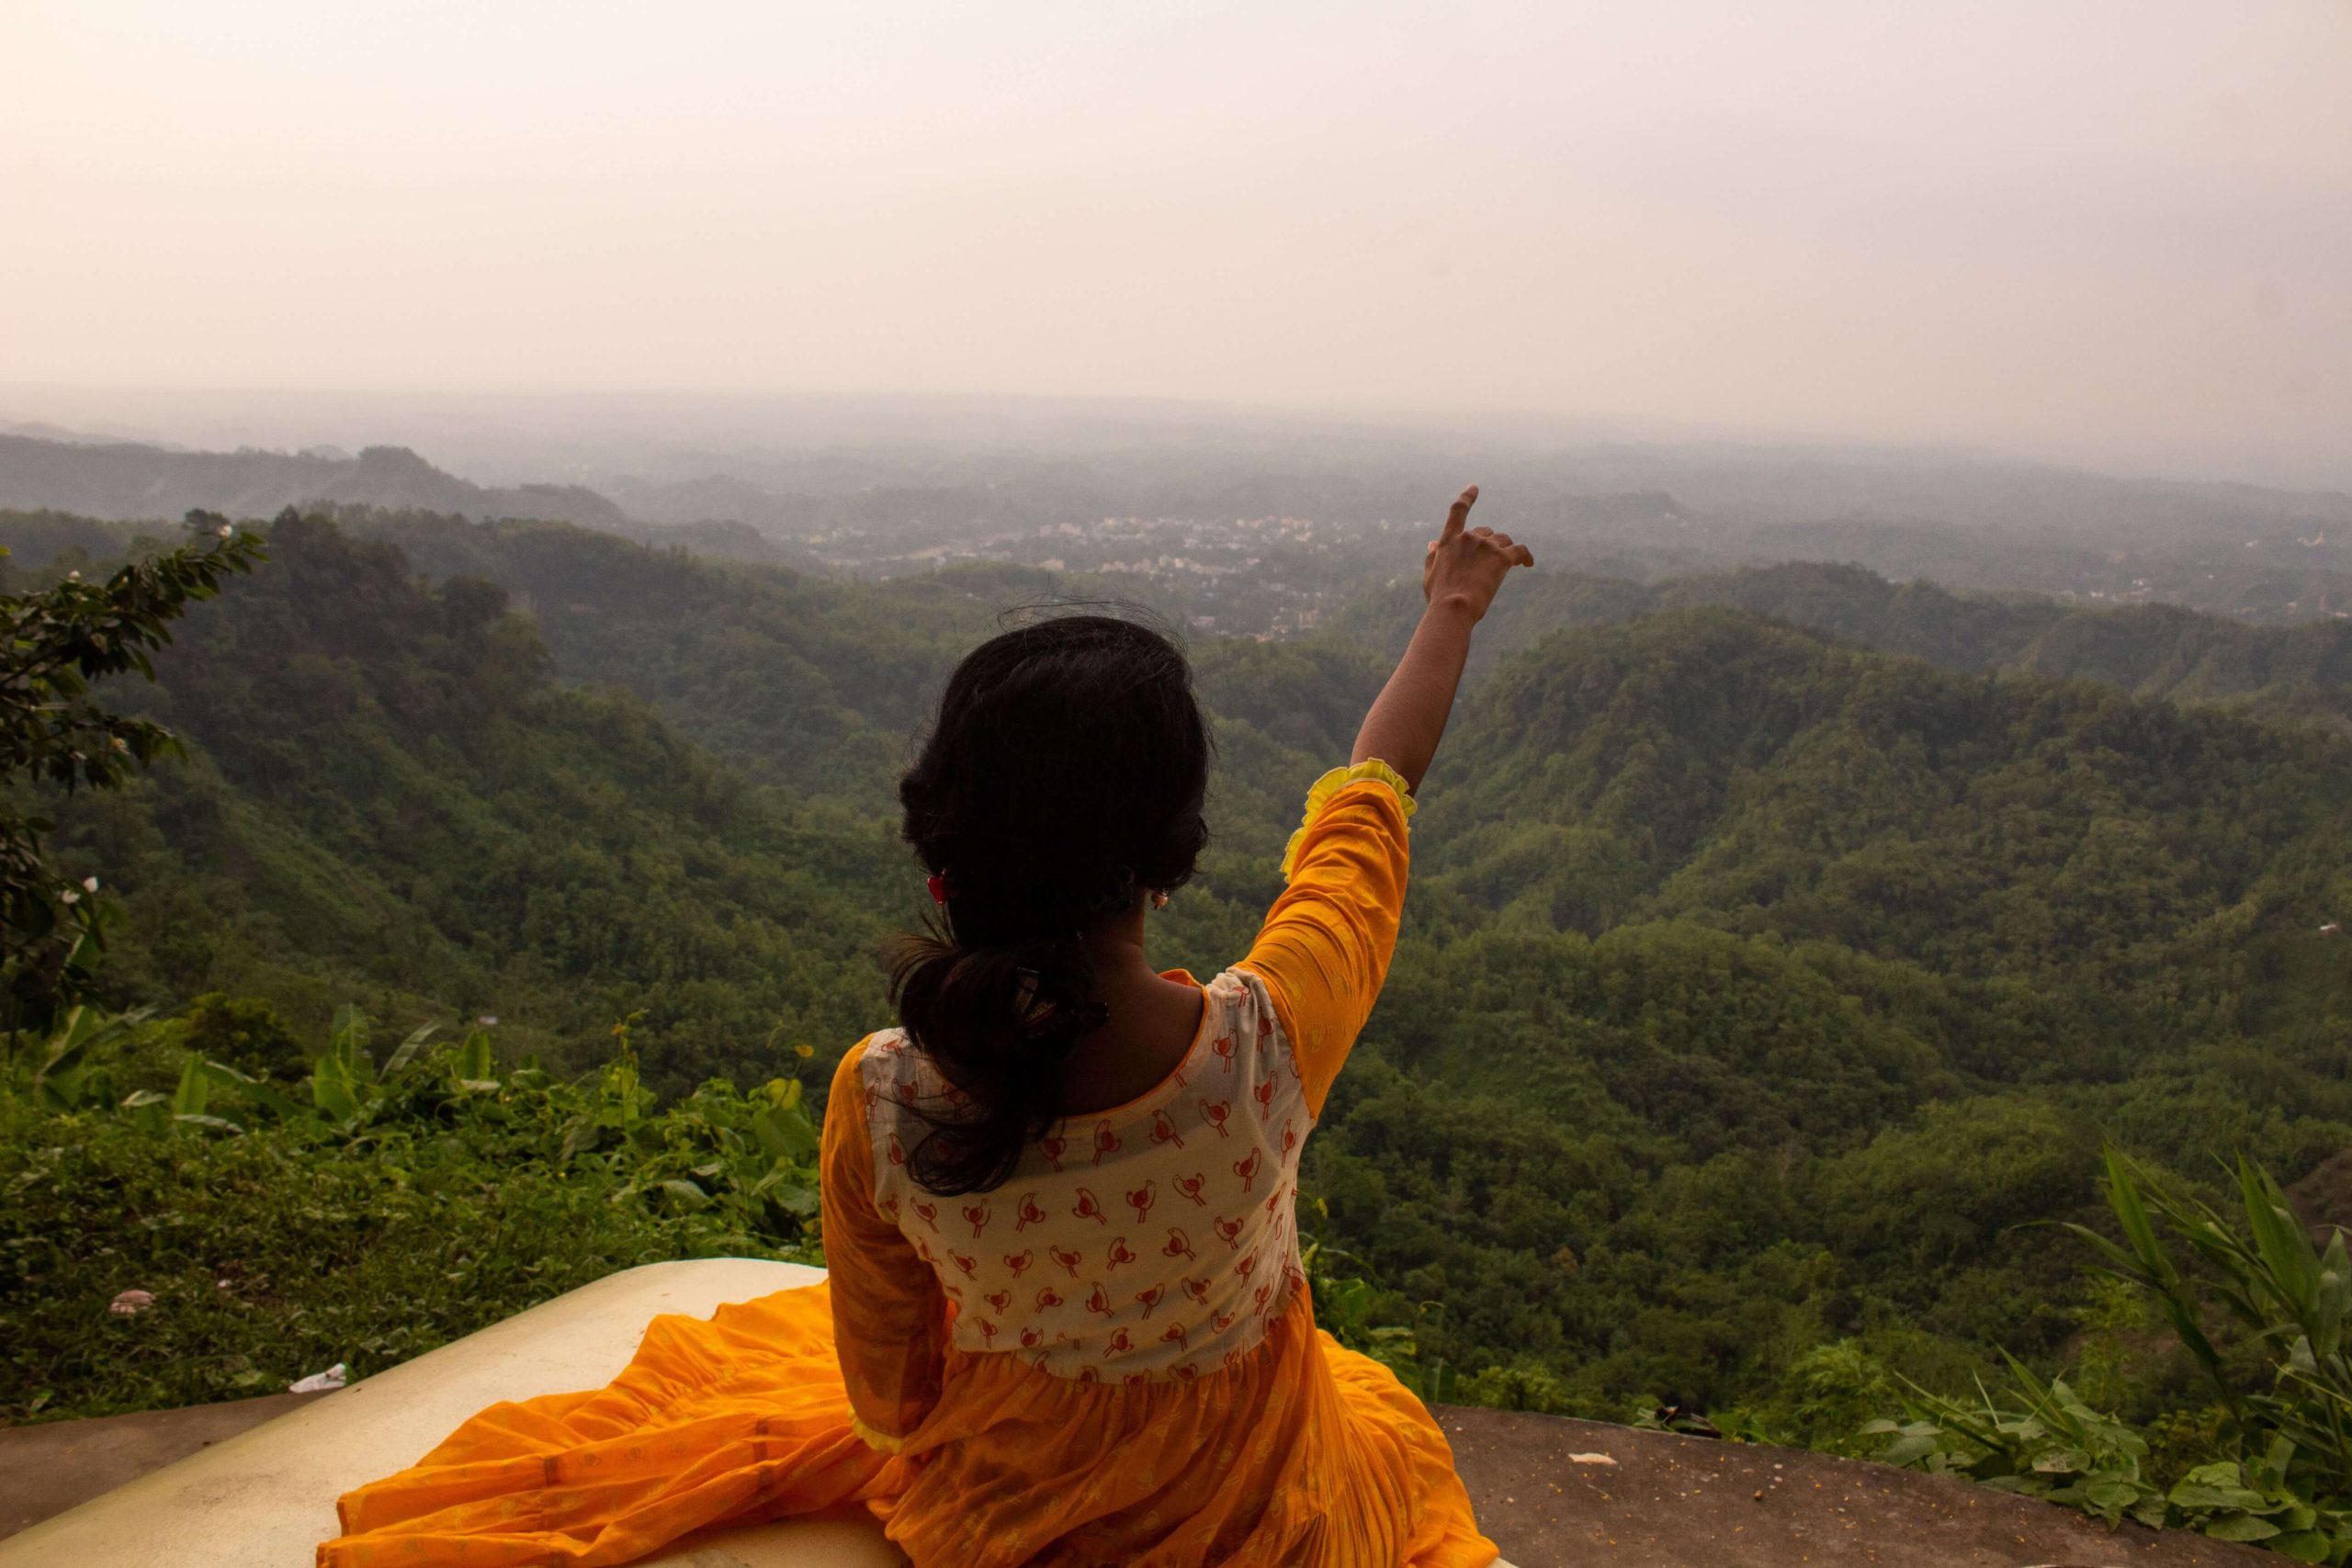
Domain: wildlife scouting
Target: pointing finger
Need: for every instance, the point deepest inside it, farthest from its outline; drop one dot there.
(1460, 513)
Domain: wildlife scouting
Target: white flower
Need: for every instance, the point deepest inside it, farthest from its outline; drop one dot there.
(69, 896)
(72, 577)
(89, 884)
(226, 530)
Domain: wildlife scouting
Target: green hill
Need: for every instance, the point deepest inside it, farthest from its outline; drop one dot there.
(1760, 984)
(2301, 671)
(391, 800)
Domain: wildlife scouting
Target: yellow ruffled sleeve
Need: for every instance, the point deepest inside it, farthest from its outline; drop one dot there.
(889, 1315)
(1324, 949)
(1319, 794)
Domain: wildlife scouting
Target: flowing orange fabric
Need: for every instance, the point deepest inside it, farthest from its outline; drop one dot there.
(855, 1392)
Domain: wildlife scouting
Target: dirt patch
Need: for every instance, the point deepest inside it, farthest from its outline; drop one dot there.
(1672, 1502)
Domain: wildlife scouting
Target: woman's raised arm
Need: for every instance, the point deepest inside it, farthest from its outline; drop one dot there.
(1460, 574)
(1323, 951)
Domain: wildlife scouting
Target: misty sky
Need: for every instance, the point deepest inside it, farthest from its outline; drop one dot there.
(2119, 233)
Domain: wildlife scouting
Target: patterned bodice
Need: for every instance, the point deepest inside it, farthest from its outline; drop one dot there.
(1156, 1240)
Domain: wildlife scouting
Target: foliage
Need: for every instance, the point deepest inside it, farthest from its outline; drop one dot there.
(274, 1224)
(243, 1034)
(2287, 1482)
(2045, 1442)
(53, 643)
(2286, 1298)
(1350, 1306)
(387, 797)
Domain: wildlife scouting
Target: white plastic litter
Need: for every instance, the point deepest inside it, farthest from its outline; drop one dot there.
(1591, 1459)
(319, 1383)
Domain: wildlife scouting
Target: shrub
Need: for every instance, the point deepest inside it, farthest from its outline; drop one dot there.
(275, 1229)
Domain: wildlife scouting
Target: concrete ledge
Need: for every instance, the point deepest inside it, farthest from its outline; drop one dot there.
(49, 1468)
(264, 1498)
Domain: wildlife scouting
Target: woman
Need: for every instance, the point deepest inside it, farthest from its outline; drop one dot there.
(1065, 1321)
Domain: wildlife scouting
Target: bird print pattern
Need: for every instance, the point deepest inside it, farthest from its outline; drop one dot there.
(1155, 1241)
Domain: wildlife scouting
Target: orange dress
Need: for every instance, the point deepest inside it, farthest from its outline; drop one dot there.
(1110, 1359)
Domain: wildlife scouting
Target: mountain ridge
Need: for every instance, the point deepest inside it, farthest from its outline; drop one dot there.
(122, 481)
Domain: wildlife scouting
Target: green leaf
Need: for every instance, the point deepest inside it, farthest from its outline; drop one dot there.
(406, 1051)
(796, 1199)
(347, 1042)
(194, 1089)
(1907, 1450)
(474, 1061)
(784, 1134)
(2240, 1527)
(2131, 1214)
(2115, 1492)
(2303, 1546)
(2223, 1472)
(2195, 1494)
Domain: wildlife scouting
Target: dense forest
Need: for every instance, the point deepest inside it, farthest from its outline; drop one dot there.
(1784, 945)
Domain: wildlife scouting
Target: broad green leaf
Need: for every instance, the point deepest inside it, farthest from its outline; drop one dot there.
(1906, 1450)
(2301, 1545)
(2240, 1527)
(474, 1061)
(406, 1051)
(194, 1090)
(2115, 1492)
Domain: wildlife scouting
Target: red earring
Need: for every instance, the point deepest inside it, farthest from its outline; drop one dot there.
(938, 886)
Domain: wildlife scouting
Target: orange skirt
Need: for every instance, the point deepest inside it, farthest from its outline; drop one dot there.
(1303, 1453)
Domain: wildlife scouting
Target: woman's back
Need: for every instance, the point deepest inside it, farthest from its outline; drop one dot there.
(1155, 1239)
(1110, 1355)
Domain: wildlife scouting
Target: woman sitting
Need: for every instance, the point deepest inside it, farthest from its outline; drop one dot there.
(1065, 1321)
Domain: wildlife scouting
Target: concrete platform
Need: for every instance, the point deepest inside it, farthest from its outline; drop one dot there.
(265, 1496)
(254, 1483)
(48, 1469)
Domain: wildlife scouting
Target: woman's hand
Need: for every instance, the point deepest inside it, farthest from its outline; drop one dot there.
(1466, 566)
(1460, 575)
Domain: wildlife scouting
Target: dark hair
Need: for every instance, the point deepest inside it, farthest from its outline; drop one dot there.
(1065, 771)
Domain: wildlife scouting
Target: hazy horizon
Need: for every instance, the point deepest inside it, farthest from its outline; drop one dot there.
(2115, 236)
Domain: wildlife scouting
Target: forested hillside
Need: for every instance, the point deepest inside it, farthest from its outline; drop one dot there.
(390, 801)
(1795, 976)
(2148, 648)
(1756, 989)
